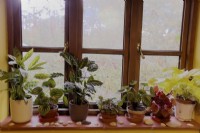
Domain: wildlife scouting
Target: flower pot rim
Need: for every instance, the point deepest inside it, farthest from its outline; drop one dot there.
(22, 99)
(70, 102)
(185, 101)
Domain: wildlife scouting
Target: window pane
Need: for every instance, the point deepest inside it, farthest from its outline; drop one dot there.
(103, 24)
(109, 72)
(162, 20)
(54, 63)
(43, 23)
(152, 66)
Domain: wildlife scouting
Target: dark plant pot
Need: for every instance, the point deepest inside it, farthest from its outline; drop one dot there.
(135, 116)
(52, 115)
(78, 112)
(107, 118)
(158, 117)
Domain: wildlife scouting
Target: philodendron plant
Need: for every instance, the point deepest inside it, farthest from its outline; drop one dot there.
(17, 77)
(47, 101)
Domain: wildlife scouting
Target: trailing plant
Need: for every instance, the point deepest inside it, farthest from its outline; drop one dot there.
(47, 101)
(138, 99)
(80, 82)
(109, 106)
(182, 84)
(17, 77)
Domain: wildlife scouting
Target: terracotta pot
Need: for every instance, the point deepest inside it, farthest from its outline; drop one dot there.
(78, 112)
(184, 110)
(52, 115)
(21, 111)
(135, 116)
(107, 118)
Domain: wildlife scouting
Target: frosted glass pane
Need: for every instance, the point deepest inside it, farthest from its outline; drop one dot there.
(43, 23)
(162, 21)
(103, 24)
(109, 72)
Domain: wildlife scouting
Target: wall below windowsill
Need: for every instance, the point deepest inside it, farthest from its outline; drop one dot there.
(96, 124)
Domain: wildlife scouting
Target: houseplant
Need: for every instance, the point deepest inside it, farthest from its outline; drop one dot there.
(20, 100)
(80, 85)
(109, 109)
(137, 101)
(47, 102)
(161, 106)
(185, 87)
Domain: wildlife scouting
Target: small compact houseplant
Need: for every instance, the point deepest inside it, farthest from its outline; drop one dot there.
(109, 109)
(80, 85)
(185, 87)
(47, 102)
(20, 100)
(137, 101)
(161, 106)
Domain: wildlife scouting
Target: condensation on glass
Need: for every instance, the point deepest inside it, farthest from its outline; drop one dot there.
(109, 72)
(162, 21)
(103, 24)
(43, 23)
(152, 66)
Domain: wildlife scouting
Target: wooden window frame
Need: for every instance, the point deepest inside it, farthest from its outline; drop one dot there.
(132, 35)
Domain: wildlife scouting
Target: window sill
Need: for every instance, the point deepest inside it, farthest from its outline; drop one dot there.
(95, 124)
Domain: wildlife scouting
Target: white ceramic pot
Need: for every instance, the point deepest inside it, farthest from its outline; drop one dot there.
(184, 111)
(21, 111)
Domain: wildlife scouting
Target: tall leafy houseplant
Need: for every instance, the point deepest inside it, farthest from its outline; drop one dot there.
(80, 84)
(137, 101)
(185, 87)
(20, 100)
(47, 103)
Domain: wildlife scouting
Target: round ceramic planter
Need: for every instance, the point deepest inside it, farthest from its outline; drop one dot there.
(78, 112)
(135, 116)
(184, 110)
(21, 110)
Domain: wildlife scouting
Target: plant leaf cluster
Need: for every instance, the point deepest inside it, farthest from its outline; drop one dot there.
(47, 102)
(182, 84)
(80, 82)
(17, 77)
(109, 106)
(136, 98)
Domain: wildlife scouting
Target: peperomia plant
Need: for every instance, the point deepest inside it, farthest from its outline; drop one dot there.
(80, 82)
(109, 106)
(17, 77)
(47, 102)
(182, 84)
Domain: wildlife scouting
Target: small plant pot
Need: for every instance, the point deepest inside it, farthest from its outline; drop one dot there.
(107, 118)
(21, 110)
(158, 117)
(135, 116)
(78, 112)
(51, 116)
(184, 110)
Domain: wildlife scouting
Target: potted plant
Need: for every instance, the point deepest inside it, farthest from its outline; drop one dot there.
(109, 109)
(80, 85)
(20, 100)
(137, 101)
(185, 87)
(48, 108)
(161, 106)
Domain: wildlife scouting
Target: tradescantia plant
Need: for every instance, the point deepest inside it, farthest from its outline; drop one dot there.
(47, 102)
(17, 77)
(182, 84)
(80, 82)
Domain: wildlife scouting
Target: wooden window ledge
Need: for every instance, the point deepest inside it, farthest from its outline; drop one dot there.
(122, 123)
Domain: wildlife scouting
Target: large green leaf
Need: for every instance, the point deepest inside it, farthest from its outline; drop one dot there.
(36, 91)
(95, 82)
(37, 66)
(65, 100)
(44, 109)
(56, 93)
(83, 63)
(42, 76)
(54, 75)
(34, 61)
(50, 83)
(27, 56)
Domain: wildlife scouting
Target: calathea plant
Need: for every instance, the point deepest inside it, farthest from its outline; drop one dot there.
(45, 101)
(17, 77)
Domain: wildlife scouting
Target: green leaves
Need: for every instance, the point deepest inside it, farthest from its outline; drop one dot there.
(27, 56)
(42, 76)
(34, 65)
(44, 109)
(36, 91)
(54, 75)
(56, 93)
(50, 83)
(65, 100)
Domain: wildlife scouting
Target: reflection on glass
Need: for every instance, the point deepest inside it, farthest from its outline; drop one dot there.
(43, 23)
(109, 72)
(103, 24)
(162, 21)
(152, 66)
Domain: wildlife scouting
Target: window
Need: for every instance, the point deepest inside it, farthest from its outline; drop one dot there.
(115, 33)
